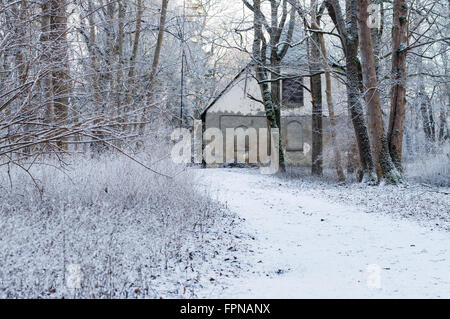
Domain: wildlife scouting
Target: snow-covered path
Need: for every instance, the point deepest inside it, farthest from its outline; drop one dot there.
(306, 247)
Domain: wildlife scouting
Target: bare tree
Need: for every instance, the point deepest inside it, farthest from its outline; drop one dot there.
(384, 165)
(398, 102)
(315, 67)
(131, 92)
(348, 32)
(276, 50)
(329, 94)
(61, 82)
(156, 55)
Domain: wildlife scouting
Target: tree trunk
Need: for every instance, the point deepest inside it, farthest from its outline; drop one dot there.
(348, 31)
(444, 133)
(398, 102)
(272, 110)
(384, 166)
(61, 79)
(443, 124)
(425, 110)
(275, 68)
(45, 60)
(99, 103)
(159, 42)
(330, 102)
(110, 56)
(22, 64)
(275, 92)
(131, 90)
(119, 75)
(424, 103)
(377, 34)
(317, 116)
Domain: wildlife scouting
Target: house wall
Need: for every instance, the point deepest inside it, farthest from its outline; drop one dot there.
(235, 109)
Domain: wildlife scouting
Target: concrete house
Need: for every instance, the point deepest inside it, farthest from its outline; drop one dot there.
(239, 106)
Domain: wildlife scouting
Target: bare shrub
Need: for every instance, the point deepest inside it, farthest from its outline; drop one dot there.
(432, 168)
(123, 225)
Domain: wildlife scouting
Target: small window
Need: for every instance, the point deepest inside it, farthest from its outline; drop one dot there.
(292, 92)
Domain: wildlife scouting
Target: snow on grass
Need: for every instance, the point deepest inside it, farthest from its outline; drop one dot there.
(215, 233)
(431, 169)
(427, 204)
(125, 231)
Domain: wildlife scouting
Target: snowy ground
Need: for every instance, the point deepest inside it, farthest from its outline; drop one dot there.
(217, 233)
(312, 240)
(106, 228)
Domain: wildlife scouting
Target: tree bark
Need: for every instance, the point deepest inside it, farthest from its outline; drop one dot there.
(276, 56)
(443, 124)
(444, 133)
(120, 47)
(61, 79)
(271, 94)
(330, 102)
(159, 42)
(259, 55)
(316, 92)
(348, 31)
(427, 120)
(398, 102)
(45, 60)
(131, 90)
(379, 144)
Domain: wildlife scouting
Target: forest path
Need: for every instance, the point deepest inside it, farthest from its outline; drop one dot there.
(307, 247)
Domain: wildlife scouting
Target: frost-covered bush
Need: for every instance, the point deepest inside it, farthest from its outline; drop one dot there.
(117, 222)
(430, 168)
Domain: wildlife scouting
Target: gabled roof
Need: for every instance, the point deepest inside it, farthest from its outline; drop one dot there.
(334, 65)
(229, 85)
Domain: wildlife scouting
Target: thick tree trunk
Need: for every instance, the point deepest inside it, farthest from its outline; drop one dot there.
(357, 113)
(315, 68)
(275, 61)
(61, 79)
(272, 110)
(99, 103)
(22, 64)
(398, 102)
(348, 31)
(317, 106)
(275, 105)
(384, 166)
